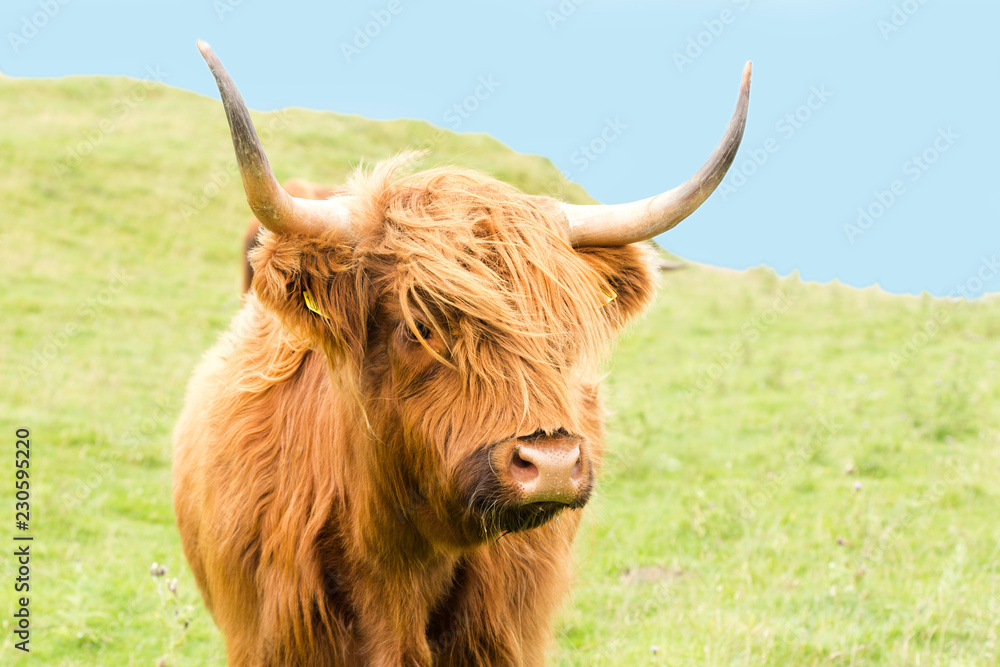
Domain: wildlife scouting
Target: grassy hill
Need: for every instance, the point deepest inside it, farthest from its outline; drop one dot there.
(799, 474)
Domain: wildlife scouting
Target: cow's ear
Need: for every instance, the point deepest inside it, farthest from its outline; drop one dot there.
(315, 288)
(631, 278)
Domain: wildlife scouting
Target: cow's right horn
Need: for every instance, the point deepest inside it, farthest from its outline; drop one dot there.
(276, 209)
(619, 224)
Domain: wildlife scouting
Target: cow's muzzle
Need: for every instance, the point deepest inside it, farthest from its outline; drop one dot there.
(544, 469)
(521, 483)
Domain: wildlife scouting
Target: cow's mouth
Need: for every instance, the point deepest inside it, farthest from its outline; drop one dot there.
(499, 518)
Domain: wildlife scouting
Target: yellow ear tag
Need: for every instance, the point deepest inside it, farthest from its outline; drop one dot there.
(311, 305)
(609, 296)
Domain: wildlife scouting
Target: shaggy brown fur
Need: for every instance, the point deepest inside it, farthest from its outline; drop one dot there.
(295, 187)
(324, 463)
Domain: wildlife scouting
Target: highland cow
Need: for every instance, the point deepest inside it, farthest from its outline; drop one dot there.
(384, 461)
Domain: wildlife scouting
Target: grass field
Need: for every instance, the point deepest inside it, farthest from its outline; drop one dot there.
(799, 474)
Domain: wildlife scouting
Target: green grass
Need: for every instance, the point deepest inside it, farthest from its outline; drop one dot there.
(728, 529)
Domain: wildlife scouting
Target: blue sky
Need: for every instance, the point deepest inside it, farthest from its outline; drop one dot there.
(869, 155)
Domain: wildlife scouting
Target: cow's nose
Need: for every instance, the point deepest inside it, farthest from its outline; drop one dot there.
(547, 470)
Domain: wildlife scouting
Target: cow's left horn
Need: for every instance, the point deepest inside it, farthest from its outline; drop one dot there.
(276, 209)
(619, 224)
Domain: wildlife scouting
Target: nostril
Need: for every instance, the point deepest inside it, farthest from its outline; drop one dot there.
(550, 471)
(521, 469)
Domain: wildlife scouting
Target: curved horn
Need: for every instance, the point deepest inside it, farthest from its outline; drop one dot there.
(276, 209)
(620, 224)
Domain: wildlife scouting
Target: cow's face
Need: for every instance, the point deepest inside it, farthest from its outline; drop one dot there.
(471, 333)
(465, 320)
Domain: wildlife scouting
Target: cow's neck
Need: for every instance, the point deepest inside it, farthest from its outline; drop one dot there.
(395, 577)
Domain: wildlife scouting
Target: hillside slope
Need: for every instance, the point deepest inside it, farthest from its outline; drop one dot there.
(800, 474)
